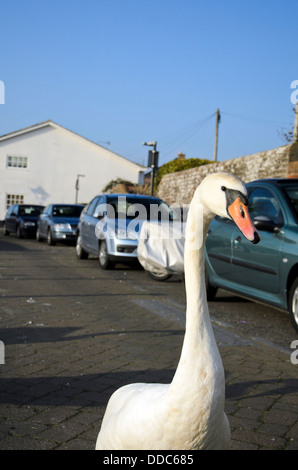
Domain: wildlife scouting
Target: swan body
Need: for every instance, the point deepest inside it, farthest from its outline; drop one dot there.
(188, 413)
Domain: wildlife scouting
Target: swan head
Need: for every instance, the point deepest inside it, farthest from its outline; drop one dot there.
(225, 195)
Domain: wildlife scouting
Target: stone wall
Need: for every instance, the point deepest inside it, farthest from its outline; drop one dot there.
(281, 162)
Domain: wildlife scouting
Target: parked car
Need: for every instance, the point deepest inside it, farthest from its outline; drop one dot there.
(58, 223)
(109, 226)
(22, 219)
(266, 272)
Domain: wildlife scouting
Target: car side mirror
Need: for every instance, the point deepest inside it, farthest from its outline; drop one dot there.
(265, 224)
(98, 214)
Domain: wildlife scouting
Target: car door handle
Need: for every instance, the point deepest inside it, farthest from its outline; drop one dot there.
(237, 240)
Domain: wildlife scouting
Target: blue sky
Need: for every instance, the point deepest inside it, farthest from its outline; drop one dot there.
(129, 71)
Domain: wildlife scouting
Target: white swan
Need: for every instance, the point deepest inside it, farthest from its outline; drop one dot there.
(189, 412)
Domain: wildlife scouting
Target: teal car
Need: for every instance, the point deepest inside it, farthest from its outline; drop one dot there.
(266, 272)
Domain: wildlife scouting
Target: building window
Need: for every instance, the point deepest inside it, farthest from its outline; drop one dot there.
(14, 199)
(14, 161)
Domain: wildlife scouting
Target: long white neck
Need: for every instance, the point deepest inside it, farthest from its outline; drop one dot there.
(199, 357)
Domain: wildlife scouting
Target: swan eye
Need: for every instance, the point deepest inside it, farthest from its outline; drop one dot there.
(223, 188)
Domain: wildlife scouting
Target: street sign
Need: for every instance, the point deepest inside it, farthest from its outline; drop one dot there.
(153, 158)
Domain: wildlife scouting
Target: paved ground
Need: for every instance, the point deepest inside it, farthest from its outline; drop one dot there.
(73, 334)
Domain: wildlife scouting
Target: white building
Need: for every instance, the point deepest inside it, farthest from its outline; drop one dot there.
(40, 165)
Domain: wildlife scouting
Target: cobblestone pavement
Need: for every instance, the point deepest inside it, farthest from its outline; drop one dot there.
(73, 334)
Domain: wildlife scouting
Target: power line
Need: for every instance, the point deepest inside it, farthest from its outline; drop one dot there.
(183, 135)
(183, 138)
(264, 121)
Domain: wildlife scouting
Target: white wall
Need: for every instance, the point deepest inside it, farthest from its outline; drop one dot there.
(55, 158)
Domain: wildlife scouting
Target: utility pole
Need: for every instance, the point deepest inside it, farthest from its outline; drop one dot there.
(295, 133)
(216, 135)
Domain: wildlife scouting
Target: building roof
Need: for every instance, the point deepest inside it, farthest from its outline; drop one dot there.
(54, 125)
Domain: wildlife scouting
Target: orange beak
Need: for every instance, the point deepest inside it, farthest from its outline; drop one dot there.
(239, 213)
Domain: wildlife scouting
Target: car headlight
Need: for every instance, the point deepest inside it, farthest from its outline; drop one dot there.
(123, 234)
(62, 227)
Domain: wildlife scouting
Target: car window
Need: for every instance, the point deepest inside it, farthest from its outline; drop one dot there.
(292, 192)
(264, 205)
(47, 210)
(10, 210)
(30, 210)
(98, 206)
(15, 210)
(67, 211)
(92, 206)
(143, 208)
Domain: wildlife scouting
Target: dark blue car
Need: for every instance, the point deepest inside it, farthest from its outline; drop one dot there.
(58, 223)
(22, 219)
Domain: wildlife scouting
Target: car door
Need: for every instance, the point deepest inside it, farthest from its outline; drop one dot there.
(9, 219)
(94, 218)
(14, 218)
(43, 224)
(219, 246)
(87, 226)
(258, 266)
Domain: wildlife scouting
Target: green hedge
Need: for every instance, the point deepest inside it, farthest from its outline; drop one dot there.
(113, 183)
(178, 165)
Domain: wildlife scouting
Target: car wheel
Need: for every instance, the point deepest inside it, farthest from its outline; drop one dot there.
(38, 237)
(5, 231)
(103, 257)
(293, 305)
(158, 276)
(50, 240)
(19, 232)
(81, 253)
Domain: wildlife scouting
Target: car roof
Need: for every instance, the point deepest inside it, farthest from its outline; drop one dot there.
(28, 205)
(276, 181)
(61, 204)
(133, 196)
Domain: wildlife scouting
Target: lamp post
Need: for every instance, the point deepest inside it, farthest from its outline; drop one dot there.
(152, 161)
(77, 186)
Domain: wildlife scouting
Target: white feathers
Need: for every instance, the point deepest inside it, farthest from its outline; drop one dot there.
(189, 412)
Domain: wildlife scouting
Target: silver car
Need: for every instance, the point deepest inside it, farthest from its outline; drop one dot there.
(58, 223)
(110, 225)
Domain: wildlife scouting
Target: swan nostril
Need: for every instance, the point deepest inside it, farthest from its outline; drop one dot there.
(242, 212)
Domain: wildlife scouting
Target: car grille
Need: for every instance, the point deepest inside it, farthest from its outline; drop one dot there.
(126, 249)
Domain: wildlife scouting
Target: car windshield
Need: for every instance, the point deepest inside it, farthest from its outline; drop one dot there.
(292, 192)
(30, 210)
(67, 211)
(143, 208)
